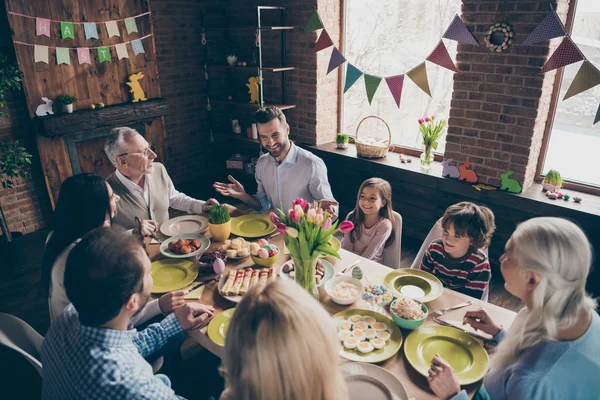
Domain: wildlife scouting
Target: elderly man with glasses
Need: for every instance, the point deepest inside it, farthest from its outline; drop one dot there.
(145, 188)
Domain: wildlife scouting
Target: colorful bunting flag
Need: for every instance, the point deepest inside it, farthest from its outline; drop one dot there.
(587, 77)
(371, 84)
(395, 84)
(130, 25)
(352, 75)
(323, 42)
(62, 56)
(103, 54)
(112, 29)
(458, 31)
(314, 23)
(91, 31)
(83, 55)
(551, 27)
(440, 56)
(597, 116)
(419, 76)
(121, 50)
(66, 30)
(137, 46)
(40, 54)
(336, 60)
(42, 27)
(566, 53)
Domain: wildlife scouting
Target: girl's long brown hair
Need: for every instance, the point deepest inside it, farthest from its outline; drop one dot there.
(357, 216)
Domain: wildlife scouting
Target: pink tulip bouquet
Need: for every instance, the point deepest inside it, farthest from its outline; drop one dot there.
(308, 230)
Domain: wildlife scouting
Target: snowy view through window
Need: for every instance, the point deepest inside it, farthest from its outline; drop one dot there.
(390, 37)
(574, 142)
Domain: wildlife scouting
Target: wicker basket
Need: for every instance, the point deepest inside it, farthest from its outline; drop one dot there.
(372, 151)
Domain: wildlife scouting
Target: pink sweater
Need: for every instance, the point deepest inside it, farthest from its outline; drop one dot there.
(371, 242)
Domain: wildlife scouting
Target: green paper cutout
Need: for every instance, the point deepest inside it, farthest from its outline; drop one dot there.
(352, 75)
(130, 25)
(371, 84)
(66, 30)
(313, 23)
(104, 54)
(597, 116)
(509, 184)
(62, 56)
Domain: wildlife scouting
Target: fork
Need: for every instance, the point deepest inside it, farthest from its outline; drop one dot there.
(454, 307)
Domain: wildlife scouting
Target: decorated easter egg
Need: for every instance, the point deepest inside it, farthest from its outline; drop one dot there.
(254, 247)
(357, 273)
(263, 253)
(262, 242)
(219, 266)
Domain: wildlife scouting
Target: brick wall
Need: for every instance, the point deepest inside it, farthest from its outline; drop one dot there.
(500, 101)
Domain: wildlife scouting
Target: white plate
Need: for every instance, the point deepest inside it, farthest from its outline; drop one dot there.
(186, 224)
(164, 246)
(368, 381)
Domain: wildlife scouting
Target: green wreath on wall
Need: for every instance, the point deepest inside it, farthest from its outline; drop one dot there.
(499, 37)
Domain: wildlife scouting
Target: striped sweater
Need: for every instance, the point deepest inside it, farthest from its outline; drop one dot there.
(469, 274)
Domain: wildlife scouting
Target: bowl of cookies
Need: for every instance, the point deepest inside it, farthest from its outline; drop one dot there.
(236, 249)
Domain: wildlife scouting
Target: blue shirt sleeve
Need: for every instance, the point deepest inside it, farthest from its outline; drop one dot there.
(319, 184)
(261, 195)
(155, 336)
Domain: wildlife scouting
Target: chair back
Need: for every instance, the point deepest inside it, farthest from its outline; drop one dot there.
(392, 254)
(19, 336)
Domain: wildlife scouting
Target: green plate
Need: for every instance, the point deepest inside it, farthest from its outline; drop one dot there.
(377, 355)
(164, 246)
(217, 328)
(171, 274)
(335, 243)
(252, 225)
(468, 358)
(428, 283)
(329, 272)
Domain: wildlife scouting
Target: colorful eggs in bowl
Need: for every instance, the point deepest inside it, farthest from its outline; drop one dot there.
(266, 255)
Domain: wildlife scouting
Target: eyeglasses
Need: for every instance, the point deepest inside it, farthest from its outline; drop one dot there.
(143, 152)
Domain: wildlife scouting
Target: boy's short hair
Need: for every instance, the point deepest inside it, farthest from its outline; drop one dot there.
(471, 220)
(269, 113)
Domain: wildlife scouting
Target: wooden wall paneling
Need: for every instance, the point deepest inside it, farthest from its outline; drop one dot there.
(55, 163)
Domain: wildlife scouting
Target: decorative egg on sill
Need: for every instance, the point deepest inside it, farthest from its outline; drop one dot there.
(552, 196)
(219, 266)
(577, 199)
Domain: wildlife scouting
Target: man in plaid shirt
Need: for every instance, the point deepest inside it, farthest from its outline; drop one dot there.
(88, 352)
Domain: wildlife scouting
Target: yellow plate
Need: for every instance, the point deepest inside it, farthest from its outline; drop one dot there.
(465, 354)
(335, 243)
(172, 274)
(391, 348)
(217, 328)
(252, 225)
(436, 287)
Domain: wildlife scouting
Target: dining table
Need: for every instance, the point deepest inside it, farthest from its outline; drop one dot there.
(415, 384)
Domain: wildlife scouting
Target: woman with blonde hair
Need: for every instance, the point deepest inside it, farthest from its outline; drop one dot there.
(281, 344)
(552, 350)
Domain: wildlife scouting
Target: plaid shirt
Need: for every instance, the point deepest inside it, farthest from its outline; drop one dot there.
(82, 362)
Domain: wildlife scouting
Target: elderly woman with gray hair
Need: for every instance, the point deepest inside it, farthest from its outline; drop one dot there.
(552, 350)
(145, 188)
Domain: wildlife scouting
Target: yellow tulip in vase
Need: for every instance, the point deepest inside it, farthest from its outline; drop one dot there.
(219, 222)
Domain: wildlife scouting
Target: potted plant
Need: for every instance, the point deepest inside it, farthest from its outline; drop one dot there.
(342, 140)
(232, 56)
(219, 222)
(431, 131)
(66, 101)
(10, 79)
(552, 181)
(15, 162)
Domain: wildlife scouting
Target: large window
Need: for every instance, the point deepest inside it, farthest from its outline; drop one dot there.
(574, 143)
(390, 37)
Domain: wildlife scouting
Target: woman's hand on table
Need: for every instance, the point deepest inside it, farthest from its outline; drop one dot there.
(442, 378)
(481, 320)
(191, 314)
(149, 227)
(172, 301)
(209, 203)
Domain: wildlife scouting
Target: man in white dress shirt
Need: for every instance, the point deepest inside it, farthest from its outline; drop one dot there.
(145, 188)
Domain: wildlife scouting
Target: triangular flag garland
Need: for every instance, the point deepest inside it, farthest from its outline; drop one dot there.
(313, 23)
(551, 27)
(440, 56)
(566, 53)
(352, 75)
(419, 76)
(323, 42)
(371, 84)
(459, 32)
(395, 84)
(336, 60)
(587, 77)
(597, 116)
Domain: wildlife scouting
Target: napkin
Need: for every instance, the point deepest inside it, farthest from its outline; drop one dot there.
(195, 294)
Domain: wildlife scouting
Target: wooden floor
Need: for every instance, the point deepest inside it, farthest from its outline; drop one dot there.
(195, 376)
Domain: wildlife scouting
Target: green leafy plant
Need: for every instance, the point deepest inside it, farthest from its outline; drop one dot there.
(342, 138)
(553, 177)
(10, 79)
(218, 214)
(15, 162)
(66, 99)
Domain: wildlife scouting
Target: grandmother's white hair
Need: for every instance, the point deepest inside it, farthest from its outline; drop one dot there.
(115, 142)
(558, 251)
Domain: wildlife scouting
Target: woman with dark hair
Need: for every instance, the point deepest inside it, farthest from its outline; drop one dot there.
(85, 202)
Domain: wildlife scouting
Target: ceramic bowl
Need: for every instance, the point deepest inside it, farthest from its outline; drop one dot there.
(265, 262)
(408, 323)
(342, 300)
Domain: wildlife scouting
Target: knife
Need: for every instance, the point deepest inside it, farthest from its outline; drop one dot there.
(484, 339)
(201, 284)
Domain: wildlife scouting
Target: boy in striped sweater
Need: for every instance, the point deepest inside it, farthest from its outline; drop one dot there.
(456, 259)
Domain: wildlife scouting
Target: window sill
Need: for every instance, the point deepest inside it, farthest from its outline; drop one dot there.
(590, 203)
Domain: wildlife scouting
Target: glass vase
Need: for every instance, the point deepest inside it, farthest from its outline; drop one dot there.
(426, 159)
(305, 275)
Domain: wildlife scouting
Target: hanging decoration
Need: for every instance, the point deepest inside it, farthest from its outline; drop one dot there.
(498, 37)
(313, 23)
(323, 42)
(130, 25)
(597, 118)
(459, 32)
(395, 84)
(352, 75)
(42, 27)
(371, 84)
(83, 55)
(121, 49)
(62, 56)
(551, 27)
(566, 53)
(587, 77)
(440, 56)
(90, 30)
(419, 76)
(66, 30)
(112, 29)
(40, 53)
(336, 60)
